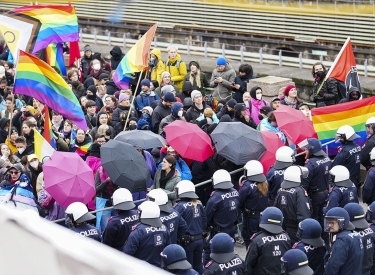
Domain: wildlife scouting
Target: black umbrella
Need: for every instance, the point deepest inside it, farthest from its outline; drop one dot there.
(125, 166)
(144, 139)
(238, 142)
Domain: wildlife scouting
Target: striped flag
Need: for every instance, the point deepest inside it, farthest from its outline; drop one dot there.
(41, 147)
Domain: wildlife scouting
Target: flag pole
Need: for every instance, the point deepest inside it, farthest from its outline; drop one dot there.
(134, 96)
(11, 118)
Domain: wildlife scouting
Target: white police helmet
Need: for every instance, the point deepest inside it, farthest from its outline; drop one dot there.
(341, 176)
(254, 171)
(347, 132)
(370, 122)
(161, 198)
(186, 189)
(284, 157)
(149, 213)
(78, 212)
(221, 179)
(293, 176)
(122, 199)
(372, 156)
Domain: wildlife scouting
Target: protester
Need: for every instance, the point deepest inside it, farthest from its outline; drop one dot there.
(197, 109)
(102, 119)
(80, 144)
(222, 78)
(175, 66)
(196, 78)
(146, 97)
(123, 106)
(163, 110)
(290, 97)
(239, 85)
(156, 66)
(328, 94)
(353, 94)
(240, 115)
(275, 103)
(176, 114)
(256, 103)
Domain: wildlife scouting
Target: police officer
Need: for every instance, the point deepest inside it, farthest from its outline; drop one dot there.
(119, 227)
(357, 218)
(349, 154)
(174, 260)
(253, 198)
(368, 191)
(295, 262)
(370, 143)
(77, 215)
(275, 175)
(311, 243)
(169, 217)
(223, 259)
(221, 208)
(293, 200)
(268, 245)
(192, 211)
(346, 254)
(149, 237)
(317, 181)
(343, 190)
(370, 217)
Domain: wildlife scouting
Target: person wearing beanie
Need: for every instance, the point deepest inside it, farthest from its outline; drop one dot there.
(166, 80)
(240, 115)
(163, 110)
(187, 88)
(123, 106)
(353, 94)
(256, 103)
(263, 116)
(222, 79)
(196, 110)
(146, 97)
(133, 122)
(85, 61)
(155, 65)
(177, 113)
(170, 89)
(196, 77)
(103, 78)
(227, 109)
(175, 66)
(291, 97)
(239, 86)
(275, 103)
(93, 160)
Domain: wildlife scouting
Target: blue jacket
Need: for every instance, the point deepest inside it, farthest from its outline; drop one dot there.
(195, 218)
(318, 177)
(315, 255)
(346, 254)
(341, 196)
(175, 223)
(250, 199)
(350, 156)
(274, 179)
(86, 230)
(368, 240)
(368, 192)
(147, 242)
(144, 100)
(181, 167)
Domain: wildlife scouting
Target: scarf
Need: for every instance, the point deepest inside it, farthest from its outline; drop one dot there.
(165, 178)
(66, 134)
(81, 149)
(255, 109)
(292, 104)
(196, 77)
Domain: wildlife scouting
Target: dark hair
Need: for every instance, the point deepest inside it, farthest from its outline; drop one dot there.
(20, 139)
(3, 81)
(98, 136)
(28, 123)
(313, 68)
(271, 117)
(10, 65)
(172, 160)
(69, 122)
(155, 83)
(90, 103)
(246, 68)
(112, 97)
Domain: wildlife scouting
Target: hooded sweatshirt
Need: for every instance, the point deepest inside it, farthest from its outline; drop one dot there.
(116, 56)
(157, 67)
(254, 105)
(349, 95)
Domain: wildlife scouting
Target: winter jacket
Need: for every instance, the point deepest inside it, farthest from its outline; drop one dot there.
(187, 88)
(116, 56)
(193, 113)
(223, 90)
(144, 100)
(169, 187)
(168, 119)
(242, 81)
(111, 87)
(159, 113)
(157, 67)
(328, 94)
(85, 65)
(203, 79)
(117, 112)
(348, 96)
(78, 89)
(177, 69)
(240, 118)
(3, 133)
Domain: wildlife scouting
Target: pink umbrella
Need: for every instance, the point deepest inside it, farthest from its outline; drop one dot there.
(68, 179)
(272, 142)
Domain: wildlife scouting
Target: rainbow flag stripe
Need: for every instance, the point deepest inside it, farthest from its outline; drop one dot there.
(55, 57)
(327, 120)
(37, 79)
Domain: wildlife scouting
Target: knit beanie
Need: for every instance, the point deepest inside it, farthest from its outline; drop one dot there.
(166, 89)
(169, 97)
(95, 150)
(175, 108)
(165, 74)
(253, 91)
(103, 76)
(288, 88)
(221, 61)
(122, 97)
(149, 109)
(92, 88)
(231, 103)
(145, 82)
(194, 63)
(194, 93)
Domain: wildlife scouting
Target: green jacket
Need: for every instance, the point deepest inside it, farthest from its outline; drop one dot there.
(169, 187)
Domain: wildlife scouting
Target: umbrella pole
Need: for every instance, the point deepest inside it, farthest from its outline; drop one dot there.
(134, 96)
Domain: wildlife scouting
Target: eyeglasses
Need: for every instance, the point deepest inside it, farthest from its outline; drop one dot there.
(14, 173)
(100, 142)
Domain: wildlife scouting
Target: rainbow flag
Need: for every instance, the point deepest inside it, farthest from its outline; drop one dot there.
(327, 120)
(55, 57)
(47, 133)
(135, 60)
(37, 79)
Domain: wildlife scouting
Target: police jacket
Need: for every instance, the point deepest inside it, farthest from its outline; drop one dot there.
(175, 224)
(86, 230)
(315, 255)
(119, 228)
(295, 205)
(234, 266)
(341, 196)
(366, 150)
(147, 242)
(368, 241)
(349, 156)
(185, 272)
(346, 254)
(274, 178)
(318, 177)
(264, 253)
(250, 199)
(194, 214)
(368, 192)
(221, 208)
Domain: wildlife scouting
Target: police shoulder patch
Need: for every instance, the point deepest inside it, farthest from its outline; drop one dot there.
(254, 235)
(295, 245)
(212, 193)
(306, 161)
(304, 191)
(110, 218)
(208, 264)
(175, 205)
(339, 149)
(134, 227)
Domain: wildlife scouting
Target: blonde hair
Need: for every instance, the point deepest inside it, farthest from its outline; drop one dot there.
(102, 129)
(128, 91)
(208, 112)
(262, 188)
(171, 47)
(195, 203)
(197, 78)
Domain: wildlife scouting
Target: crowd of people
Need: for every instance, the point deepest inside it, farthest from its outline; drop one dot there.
(302, 216)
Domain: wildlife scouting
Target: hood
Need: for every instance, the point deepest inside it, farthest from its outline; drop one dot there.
(187, 86)
(173, 60)
(156, 52)
(116, 50)
(253, 91)
(351, 90)
(3, 122)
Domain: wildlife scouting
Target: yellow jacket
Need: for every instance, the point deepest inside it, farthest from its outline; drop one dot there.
(159, 68)
(177, 69)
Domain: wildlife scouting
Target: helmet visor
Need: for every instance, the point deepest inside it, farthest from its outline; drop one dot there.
(333, 224)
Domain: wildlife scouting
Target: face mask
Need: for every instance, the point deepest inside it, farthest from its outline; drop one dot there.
(260, 117)
(152, 59)
(132, 127)
(180, 113)
(21, 150)
(96, 67)
(91, 97)
(145, 116)
(319, 74)
(258, 96)
(34, 164)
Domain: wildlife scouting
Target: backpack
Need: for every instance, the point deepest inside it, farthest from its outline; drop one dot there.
(176, 64)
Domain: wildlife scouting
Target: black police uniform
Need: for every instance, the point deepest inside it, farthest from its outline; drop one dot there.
(368, 191)
(86, 230)
(294, 203)
(372, 226)
(186, 272)
(317, 184)
(192, 241)
(174, 223)
(119, 228)
(235, 266)
(315, 255)
(349, 155)
(274, 179)
(251, 205)
(368, 241)
(341, 196)
(366, 150)
(146, 242)
(265, 252)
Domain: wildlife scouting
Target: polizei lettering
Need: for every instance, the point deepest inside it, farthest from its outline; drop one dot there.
(229, 195)
(90, 232)
(232, 263)
(169, 217)
(155, 229)
(190, 204)
(129, 219)
(325, 160)
(355, 150)
(281, 237)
